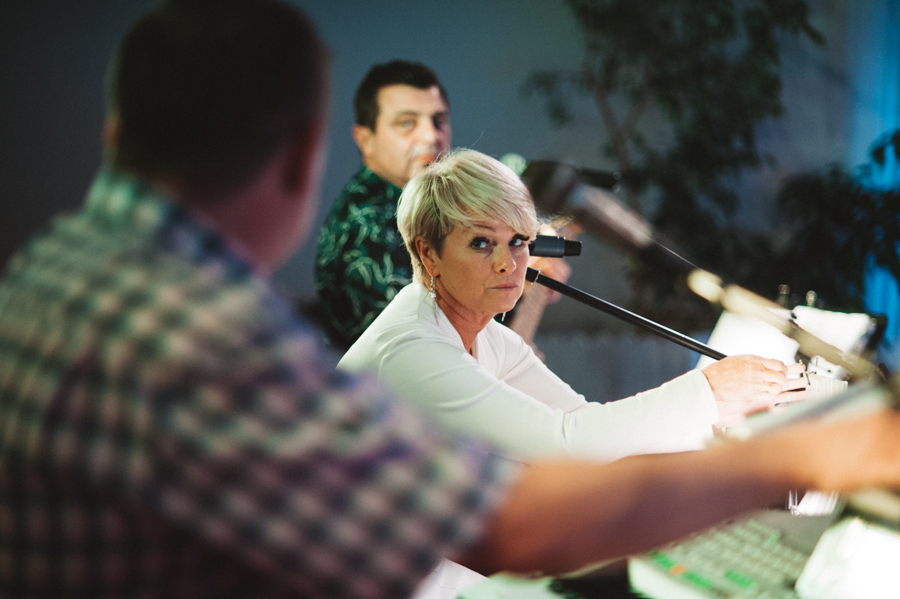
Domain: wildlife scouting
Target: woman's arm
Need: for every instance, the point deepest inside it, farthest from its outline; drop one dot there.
(543, 417)
(561, 516)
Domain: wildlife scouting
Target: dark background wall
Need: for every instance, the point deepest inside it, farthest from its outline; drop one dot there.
(53, 57)
(52, 60)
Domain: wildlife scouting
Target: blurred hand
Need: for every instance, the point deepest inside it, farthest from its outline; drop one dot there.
(843, 455)
(555, 268)
(742, 385)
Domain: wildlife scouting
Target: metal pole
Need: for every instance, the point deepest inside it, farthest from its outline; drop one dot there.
(604, 306)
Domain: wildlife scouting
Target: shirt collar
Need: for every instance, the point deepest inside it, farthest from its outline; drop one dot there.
(124, 200)
(368, 178)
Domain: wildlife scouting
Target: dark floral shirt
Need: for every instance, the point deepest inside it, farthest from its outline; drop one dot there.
(361, 260)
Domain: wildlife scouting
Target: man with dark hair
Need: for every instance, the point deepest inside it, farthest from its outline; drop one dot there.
(168, 428)
(402, 123)
(402, 118)
(396, 72)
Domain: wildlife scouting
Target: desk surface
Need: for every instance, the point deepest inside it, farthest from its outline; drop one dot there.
(503, 587)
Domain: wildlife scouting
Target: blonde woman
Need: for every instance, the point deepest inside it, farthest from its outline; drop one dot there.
(466, 222)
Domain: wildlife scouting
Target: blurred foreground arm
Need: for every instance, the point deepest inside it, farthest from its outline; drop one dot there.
(560, 516)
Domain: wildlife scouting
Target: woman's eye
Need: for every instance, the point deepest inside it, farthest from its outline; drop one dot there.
(479, 243)
(519, 241)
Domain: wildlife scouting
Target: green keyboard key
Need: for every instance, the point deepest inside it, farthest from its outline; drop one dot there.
(739, 579)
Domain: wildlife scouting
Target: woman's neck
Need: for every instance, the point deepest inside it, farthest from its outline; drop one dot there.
(467, 323)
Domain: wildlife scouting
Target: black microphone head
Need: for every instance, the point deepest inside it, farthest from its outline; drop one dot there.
(552, 246)
(600, 179)
(550, 184)
(572, 248)
(558, 189)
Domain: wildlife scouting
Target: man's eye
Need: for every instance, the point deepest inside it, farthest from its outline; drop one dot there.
(407, 124)
(440, 122)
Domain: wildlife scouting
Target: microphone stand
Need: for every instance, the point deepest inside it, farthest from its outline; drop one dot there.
(535, 276)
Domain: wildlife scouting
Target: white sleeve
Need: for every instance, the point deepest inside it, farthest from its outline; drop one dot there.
(464, 396)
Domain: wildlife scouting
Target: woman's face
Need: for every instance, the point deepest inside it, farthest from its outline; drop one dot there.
(481, 269)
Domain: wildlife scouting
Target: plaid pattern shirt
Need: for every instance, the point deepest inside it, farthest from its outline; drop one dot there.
(169, 429)
(361, 260)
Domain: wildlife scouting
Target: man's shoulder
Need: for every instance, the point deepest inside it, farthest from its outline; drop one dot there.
(138, 281)
(366, 192)
(363, 221)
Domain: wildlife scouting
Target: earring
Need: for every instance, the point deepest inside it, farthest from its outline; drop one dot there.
(431, 290)
(503, 317)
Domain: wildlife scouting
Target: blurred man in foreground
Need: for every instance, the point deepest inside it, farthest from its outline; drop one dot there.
(169, 428)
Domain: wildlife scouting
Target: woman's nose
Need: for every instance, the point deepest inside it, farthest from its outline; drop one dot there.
(503, 259)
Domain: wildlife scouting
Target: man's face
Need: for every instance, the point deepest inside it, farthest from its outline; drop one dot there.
(412, 130)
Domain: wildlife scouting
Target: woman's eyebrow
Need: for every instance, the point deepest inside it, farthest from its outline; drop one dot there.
(484, 227)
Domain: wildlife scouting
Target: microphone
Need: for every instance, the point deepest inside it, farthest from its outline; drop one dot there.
(551, 246)
(558, 189)
(741, 301)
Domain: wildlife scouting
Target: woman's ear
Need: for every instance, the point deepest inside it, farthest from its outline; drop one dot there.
(428, 255)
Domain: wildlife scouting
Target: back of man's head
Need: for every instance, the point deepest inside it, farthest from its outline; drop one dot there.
(395, 72)
(203, 92)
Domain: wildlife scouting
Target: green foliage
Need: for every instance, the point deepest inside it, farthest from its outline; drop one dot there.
(833, 227)
(837, 226)
(711, 70)
(710, 67)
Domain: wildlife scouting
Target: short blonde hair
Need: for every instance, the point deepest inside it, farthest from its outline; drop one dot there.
(464, 188)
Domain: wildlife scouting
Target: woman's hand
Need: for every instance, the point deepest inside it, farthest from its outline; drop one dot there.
(555, 268)
(745, 384)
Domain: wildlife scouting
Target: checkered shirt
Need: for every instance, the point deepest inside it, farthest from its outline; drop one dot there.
(169, 429)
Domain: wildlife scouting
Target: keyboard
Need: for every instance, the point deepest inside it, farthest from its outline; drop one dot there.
(757, 556)
(741, 559)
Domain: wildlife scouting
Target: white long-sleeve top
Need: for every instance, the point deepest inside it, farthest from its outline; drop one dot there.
(505, 395)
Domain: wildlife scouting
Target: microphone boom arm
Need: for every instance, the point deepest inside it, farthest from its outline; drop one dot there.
(587, 299)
